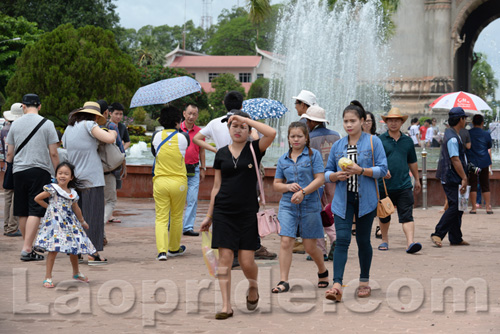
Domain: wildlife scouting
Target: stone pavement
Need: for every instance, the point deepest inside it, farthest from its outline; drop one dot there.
(135, 293)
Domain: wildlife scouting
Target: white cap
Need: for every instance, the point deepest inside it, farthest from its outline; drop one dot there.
(307, 97)
(16, 111)
(316, 114)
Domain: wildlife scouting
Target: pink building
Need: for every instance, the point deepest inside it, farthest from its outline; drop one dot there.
(205, 68)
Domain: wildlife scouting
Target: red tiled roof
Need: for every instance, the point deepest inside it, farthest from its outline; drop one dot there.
(207, 86)
(216, 61)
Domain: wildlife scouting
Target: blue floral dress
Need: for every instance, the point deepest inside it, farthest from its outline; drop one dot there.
(61, 231)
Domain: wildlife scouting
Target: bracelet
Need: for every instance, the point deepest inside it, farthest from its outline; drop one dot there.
(209, 216)
(362, 171)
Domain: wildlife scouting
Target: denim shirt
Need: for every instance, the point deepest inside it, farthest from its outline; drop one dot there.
(300, 172)
(367, 185)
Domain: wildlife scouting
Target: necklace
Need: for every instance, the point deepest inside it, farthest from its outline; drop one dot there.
(235, 161)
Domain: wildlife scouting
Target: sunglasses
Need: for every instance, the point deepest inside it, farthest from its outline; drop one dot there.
(298, 102)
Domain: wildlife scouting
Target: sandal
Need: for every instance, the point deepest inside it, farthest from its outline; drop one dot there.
(114, 220)
(378, 233)
(364, 291)
(252, 304)
(32, 256)
(323, 284)
(48, 283)
(353, 231)
(81, 277)
(278, 289)
(223, 315)
(383, 246)
(97, 260)
(104, 242)
(436, 240)
(334, 294)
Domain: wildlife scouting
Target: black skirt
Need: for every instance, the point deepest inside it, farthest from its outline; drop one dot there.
(235, 231)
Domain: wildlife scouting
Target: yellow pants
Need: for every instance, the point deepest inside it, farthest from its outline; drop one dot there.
(170, 197)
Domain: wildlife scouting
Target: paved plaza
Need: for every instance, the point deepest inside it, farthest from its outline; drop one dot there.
(135, 293)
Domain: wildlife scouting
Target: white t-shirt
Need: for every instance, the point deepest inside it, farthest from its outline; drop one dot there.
(218, 132)
(414, 131)
(429, 134)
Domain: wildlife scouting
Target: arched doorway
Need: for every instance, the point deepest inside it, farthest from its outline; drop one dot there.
(473, 20)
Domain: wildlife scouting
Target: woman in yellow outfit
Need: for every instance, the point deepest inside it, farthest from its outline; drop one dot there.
(169, 183)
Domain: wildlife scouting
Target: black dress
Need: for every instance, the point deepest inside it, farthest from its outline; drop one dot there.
(236, 204)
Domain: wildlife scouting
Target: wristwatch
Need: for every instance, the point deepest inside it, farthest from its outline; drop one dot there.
(303, 192)
(204, 168)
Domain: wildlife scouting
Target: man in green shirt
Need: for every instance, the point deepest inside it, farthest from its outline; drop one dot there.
(401, 158)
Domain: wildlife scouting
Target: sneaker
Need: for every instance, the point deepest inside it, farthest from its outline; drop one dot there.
(179, 252)
(263, 254)
(191, 233)
(162, 256)
(14, 234)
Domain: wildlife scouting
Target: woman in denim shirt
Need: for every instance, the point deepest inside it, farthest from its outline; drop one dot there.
(299, 174)
(355, 196)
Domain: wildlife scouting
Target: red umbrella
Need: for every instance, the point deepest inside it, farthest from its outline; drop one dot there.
(471, 103)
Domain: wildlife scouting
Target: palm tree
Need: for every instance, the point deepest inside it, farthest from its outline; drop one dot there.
(258, 11)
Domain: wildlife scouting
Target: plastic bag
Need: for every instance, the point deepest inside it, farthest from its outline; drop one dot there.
(211, 256)
(463, 199)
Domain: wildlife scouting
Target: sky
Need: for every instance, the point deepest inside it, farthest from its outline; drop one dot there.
(138, 13)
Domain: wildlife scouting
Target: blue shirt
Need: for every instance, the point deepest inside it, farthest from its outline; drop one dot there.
(452, 147)
(367, 185)
(113, 126)
(480, 143)
(300, 172)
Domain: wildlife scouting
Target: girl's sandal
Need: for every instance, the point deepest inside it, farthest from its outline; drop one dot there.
(279, 289)
(323, 284)
(81, 277)
(334, 294)
(48, 283)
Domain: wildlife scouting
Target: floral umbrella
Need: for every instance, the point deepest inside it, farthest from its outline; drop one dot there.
(261, 108)
(164, 91)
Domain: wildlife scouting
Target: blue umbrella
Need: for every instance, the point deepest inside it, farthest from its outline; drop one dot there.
(261, 108)
(164, 91)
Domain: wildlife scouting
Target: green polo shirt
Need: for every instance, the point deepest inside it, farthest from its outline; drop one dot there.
(399, 154)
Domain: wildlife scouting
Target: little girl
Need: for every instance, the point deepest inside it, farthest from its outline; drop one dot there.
(61, 230)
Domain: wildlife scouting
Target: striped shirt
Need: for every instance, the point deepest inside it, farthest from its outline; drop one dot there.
(352, 182)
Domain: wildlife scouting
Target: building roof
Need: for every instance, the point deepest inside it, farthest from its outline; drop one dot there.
(216, 61)
(207, 86)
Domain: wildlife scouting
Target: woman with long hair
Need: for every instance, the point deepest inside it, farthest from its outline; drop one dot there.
(355, 195)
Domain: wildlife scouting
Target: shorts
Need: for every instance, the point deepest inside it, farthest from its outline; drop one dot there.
(27, 184)
(403, 201)
(296, 221)
(484, 181)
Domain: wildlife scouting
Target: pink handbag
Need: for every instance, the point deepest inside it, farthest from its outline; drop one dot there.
(267, 219)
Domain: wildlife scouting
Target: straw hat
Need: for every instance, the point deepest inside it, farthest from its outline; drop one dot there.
(15, 112)
(95, 109)
(316, 114)
(395, 113)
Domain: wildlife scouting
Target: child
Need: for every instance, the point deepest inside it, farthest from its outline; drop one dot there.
(61, 229)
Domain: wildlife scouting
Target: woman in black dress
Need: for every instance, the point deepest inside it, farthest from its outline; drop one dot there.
(234, 205)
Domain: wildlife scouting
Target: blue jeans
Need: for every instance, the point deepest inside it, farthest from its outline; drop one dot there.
(191, 201)
(451, 220)
(363, 231)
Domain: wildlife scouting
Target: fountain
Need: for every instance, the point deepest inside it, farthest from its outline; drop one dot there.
(338, 55)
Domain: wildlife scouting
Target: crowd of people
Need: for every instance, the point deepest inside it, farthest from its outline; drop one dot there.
(321, 171)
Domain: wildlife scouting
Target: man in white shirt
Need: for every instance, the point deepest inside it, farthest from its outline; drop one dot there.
(414, 131)
(429, 135)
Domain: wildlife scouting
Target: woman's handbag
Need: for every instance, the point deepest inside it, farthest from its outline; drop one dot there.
(385, 207)
(267, 219)
(327, 215)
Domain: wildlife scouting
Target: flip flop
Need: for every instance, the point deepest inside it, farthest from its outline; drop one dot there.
(472, 212)
(436, 240)
(414, 247)
(114, 220)
(364, 291)
(383, 246)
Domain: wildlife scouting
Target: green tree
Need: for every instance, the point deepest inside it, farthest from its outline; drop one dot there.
(258, 10)
(69, 66)
(154, 73)
(222, 84)
(9, 50)
(259, 88)
(483, 81)
(49, 14)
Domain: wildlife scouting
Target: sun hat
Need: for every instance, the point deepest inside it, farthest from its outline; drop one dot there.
(316, 114)
(395, 113)
(307, 97)
(95, 109)
(31, 100)
(15, 112)
(457, 112)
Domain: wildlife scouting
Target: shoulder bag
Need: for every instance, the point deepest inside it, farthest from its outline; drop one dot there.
(8, 179)
(267, 219)
(110, 154)
(326, 215)
(158, 149)
(385, 207)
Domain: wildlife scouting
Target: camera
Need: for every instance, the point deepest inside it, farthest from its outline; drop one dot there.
(471, 168)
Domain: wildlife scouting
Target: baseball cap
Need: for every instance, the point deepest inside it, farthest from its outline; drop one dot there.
(31, 100)
(457, 112)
